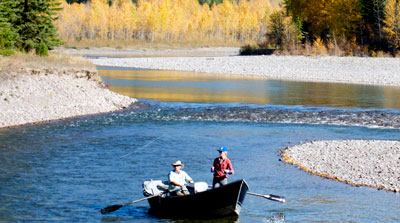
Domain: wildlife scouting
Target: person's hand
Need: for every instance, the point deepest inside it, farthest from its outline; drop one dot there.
(212, 168)
(191, 182)
(183, 187)
(226, 171)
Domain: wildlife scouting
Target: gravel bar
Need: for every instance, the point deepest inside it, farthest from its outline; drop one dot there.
(30, 96)
(373, 163)
(356, 70)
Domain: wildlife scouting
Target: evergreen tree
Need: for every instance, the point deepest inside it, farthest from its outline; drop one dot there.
(8, 34)
(276, 28)
(35, 25)
(373, 15)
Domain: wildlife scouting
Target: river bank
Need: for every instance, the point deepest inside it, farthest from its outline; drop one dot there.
(351, 70)
(32, 91)
(373, 163)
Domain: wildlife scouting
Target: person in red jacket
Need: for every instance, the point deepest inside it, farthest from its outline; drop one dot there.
(221, 168)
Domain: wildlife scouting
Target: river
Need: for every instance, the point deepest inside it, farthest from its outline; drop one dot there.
(67, 170)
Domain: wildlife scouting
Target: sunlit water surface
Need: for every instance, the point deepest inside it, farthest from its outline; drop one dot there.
(68, 170)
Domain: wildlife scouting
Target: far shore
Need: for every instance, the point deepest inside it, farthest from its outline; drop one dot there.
(225, 60)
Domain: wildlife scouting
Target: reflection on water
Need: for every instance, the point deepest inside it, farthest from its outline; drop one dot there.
(206, 88)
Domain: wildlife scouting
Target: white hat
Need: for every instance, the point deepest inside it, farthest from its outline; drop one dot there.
(178, 163)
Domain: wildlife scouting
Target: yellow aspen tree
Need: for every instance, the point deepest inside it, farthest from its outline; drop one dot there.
(217, 27)
(163, 18)
(98, 19)
(263, 10)
(192, 14)
(180, 22)
(243, 26)
(147, 19)
(113, 22)
(253, 17)
(206, 21)
(128, 18)
(392, 21)
(227, 19)
(72, 21)
(64, 23)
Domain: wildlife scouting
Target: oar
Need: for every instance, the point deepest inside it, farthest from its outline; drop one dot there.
(115, 207)
(269, 197)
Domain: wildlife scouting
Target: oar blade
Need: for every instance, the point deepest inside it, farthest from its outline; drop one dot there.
(276, 198)
(111, 208)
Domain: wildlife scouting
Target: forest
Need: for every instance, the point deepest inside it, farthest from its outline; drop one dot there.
(165, 21)
(351, 27)
(338, 27)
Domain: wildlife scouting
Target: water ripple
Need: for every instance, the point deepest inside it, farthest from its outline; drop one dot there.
(371, 118)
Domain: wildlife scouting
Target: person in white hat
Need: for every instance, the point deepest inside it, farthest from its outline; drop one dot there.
(178, 179)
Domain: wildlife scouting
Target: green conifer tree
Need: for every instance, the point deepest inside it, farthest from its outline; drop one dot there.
(8, 34)
(35, 25)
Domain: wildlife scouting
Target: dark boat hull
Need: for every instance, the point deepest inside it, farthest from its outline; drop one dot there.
(219, 202)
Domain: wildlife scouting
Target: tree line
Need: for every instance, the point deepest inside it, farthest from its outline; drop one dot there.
(349, 25)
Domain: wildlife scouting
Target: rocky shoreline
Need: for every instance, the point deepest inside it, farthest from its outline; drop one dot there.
(356, 70)
(373, 163)
(38, 95)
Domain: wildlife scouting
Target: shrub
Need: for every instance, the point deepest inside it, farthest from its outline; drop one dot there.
(7, 52)
(319, 48)
(42, 50)
(247, 49)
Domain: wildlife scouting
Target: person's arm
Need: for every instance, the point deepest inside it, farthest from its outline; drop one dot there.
(229, 169)
(188, 178)
(176, 184)
(213, 167)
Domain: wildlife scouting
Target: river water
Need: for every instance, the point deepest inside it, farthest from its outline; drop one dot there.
(66, 171)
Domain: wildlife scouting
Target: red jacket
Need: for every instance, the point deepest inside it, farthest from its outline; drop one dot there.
(220, 165)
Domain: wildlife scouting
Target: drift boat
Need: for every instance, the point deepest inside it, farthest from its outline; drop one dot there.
(212, 203)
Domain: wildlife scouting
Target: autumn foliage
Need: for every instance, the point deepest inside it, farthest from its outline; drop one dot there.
(345, 27)
(165, 21)
(367, 26)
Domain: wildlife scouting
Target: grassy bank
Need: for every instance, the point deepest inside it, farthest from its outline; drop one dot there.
(53, 61)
